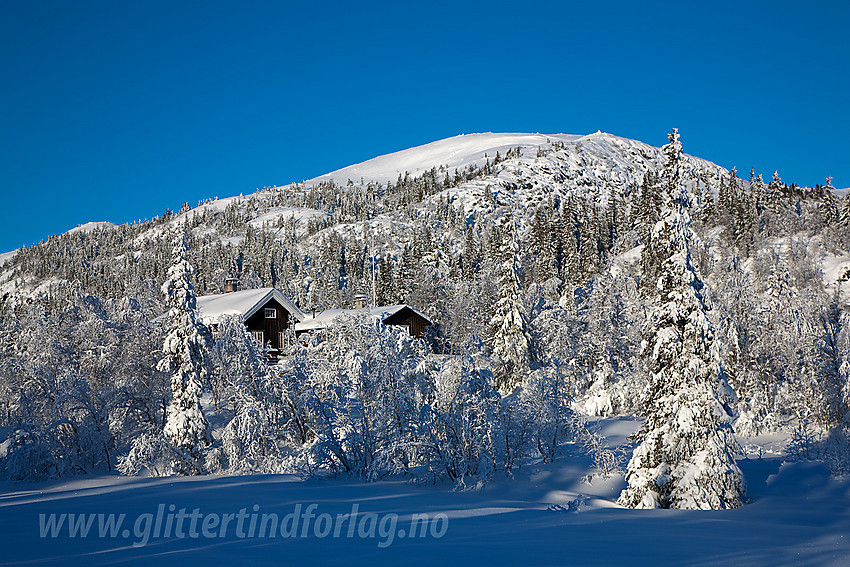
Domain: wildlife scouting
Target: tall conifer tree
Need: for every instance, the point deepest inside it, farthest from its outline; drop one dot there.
(685, 458)
(511, 337)
(185, 356)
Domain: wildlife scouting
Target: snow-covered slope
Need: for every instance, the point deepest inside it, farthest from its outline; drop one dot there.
(585, 171)
(456, 152)
(7, 257)
(474, 149)
(589, 168)
(598, 158)
(90, 226)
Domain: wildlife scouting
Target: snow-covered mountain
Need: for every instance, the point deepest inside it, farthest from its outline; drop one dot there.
(546, 166)
(367, 206)
(455, 152)
(540, 167)
(90, 226)
(597, 158)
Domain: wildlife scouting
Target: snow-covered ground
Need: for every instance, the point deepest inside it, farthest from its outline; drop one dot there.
(544, 515)
(837, 269)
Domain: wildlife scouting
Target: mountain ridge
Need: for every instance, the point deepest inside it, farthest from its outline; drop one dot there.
(447, 154)
(290, 229)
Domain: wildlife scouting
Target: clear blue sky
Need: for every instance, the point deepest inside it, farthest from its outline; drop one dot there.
(116, 110)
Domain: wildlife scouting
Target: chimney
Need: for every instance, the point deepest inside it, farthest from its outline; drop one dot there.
(231, 285)
(360, 300)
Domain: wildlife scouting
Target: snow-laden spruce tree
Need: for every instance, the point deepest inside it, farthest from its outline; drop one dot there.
(185, 357)
(686, 456)
(511, 338)
(843, 235)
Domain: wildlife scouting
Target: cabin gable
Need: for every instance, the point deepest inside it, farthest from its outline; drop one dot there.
(409, 318)
(268, 322)
(397, 315)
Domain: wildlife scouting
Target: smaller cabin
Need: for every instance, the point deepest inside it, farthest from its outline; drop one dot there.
(398, 315)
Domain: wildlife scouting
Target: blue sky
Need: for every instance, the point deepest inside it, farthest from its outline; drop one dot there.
(117, 110)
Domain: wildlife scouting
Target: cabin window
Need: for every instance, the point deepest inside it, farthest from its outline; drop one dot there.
(271, 313)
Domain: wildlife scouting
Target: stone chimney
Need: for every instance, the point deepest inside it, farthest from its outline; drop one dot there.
(360, 300)
(231, 285)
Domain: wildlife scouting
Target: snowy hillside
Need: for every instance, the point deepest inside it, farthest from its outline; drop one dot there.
(619, 160)
(587, 168)
(596, 172)
(90, 226)
(456, 152)
(593, 168)
(6, 257)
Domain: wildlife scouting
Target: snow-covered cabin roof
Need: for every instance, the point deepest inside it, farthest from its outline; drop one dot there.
(212, 308)
(323, 319)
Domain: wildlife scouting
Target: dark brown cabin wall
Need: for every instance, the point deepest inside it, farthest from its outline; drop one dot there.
(414, 323)
(271, 328)
(415, 326)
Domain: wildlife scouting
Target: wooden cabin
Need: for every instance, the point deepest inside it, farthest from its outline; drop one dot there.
(397, 315)
(266, 312)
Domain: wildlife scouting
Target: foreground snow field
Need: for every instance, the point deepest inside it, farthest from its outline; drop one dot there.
(545, 515)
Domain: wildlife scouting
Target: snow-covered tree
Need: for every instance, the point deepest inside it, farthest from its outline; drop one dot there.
(185, 357)
(686, 455)
(355, 396)
(545, 400)
(648, 205)
(844, 213)
(608, 341)
(511, 339)
(463, 427)
(842, 236)
(542, 247)
(249, 393)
